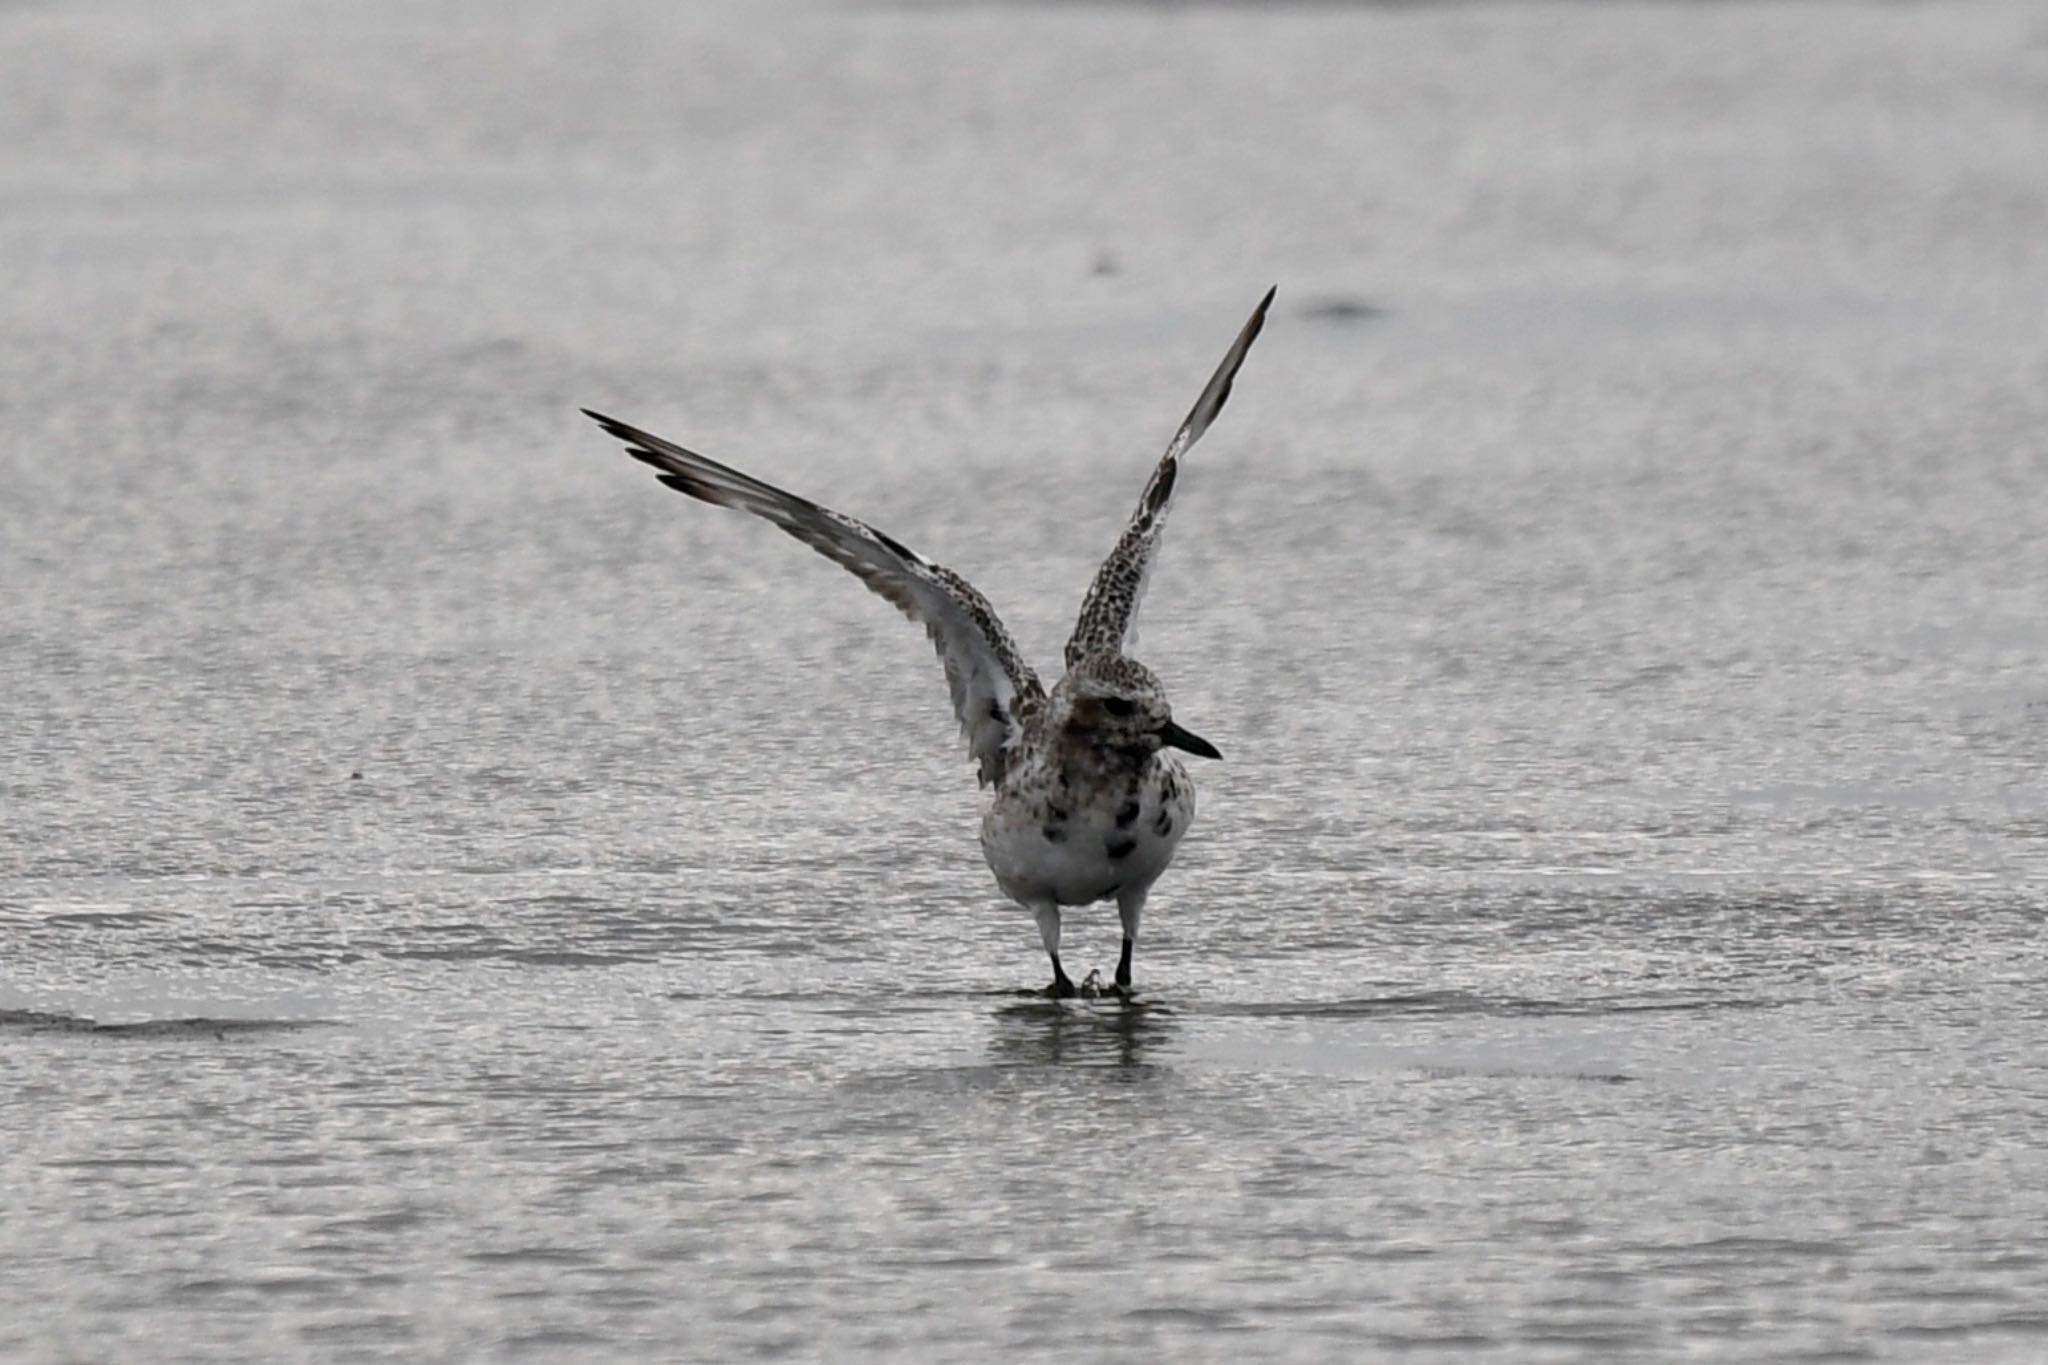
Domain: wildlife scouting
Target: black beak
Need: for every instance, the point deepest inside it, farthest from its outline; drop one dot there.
(1186, 739)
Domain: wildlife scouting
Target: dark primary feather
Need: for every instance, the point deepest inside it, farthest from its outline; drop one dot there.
(1112, 601)
(994, 691)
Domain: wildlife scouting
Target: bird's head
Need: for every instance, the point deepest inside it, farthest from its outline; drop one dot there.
(1117, 703)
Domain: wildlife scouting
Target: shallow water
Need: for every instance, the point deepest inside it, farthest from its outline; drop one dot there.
(461, 900)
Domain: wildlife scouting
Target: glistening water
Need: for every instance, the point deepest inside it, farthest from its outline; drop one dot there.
(459, 900)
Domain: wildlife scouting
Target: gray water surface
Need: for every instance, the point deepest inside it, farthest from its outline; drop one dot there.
(459, 900)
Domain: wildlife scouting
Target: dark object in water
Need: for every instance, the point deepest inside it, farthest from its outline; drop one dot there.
(1341, 308)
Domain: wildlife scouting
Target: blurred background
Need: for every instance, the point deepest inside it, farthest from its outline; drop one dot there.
(458, 898)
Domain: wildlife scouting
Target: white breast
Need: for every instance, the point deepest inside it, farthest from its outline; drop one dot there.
(1043, 848)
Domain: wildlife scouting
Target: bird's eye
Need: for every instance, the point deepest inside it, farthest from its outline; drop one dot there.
(1120, 707)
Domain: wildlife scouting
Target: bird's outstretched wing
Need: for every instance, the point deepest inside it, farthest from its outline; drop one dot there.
(1112, 601)
(994, 690)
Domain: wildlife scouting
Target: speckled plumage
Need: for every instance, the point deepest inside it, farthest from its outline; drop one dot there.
(1119, 587)
(1088, 805)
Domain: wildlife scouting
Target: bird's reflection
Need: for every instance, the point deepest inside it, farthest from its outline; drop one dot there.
(1110, 1033)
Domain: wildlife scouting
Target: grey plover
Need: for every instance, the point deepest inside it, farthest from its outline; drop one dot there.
(1088, 804)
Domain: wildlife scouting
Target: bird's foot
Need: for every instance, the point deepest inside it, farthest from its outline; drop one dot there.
(1062, 988)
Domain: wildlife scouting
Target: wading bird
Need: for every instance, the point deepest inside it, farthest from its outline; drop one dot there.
(1088, 803)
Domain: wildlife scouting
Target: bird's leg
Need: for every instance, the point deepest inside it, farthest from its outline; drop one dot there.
(1130, 906)
(1062, 986)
